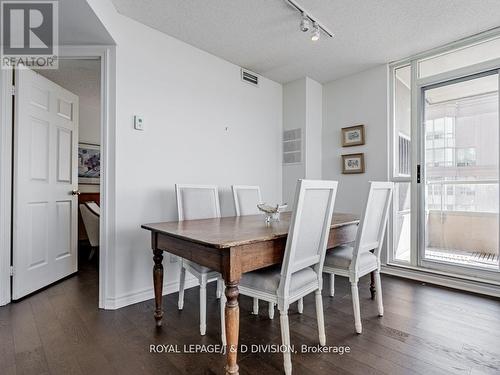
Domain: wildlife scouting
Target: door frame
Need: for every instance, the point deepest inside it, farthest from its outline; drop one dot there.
(5, 184)
(107, 186)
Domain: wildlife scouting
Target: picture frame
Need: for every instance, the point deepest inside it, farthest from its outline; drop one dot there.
(89, 164)
(353, 136)
(353, 163)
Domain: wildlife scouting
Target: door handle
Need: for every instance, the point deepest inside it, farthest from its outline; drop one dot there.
(75, 192)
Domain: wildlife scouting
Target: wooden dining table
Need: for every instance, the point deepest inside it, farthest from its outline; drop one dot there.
(231, 246)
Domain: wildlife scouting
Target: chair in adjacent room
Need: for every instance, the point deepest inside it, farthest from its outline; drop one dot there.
(91, 213)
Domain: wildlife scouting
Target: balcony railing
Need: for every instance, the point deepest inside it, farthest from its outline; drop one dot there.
(460, 235)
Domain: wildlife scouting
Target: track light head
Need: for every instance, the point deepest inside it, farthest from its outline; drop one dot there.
(304, 23)
(316, 34)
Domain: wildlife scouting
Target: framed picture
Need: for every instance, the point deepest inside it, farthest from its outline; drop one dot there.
(353, 163)
(353, 136)
(89, 164)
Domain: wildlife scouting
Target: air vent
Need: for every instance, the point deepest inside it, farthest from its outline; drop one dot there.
(249, 77)
(292, 146)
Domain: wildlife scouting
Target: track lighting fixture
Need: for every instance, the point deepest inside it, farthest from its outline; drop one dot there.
(307, 19)
(315, 33)
(304, 23)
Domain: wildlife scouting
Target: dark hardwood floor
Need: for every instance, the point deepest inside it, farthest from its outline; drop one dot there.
(425, 330)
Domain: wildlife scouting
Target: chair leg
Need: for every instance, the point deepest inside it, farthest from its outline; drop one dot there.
(219, 290)
(203, 304)
(255, 310)
(378, 296)
(300, 305)
(181, 288)
(223, 319)
(355, 306)
(332, 284)
(320, 317)
(271, 310)
(285, 340)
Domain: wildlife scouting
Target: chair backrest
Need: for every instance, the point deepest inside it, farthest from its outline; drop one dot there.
(197, 202)
(309, 230)
(373, 222)
(246, 199)
(90, 217)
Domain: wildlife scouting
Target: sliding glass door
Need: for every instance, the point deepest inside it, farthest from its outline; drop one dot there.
(444, 161)
(458, 172)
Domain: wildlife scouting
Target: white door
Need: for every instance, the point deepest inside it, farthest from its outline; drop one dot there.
(45, 177)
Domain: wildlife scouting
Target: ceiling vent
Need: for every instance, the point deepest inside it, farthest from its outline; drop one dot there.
(249, 77)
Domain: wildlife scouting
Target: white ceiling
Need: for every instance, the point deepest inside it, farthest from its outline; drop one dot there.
(80, 76)
(465, 89)
(264, 35)
(78, 25)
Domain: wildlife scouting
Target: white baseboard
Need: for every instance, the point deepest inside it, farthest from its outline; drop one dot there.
(447, 281)
(146, 294)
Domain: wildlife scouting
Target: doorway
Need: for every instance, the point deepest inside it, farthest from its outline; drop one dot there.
(56, 179)
(82, 77)
(105, 55)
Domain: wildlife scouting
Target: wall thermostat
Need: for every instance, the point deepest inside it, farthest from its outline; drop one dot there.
(138, 122)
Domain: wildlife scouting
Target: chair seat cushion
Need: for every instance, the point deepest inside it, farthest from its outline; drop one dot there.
(341, 257)
(267, 280)
(198, 268)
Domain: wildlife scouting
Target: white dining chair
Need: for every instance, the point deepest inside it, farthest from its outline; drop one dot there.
(246, 199)
(364, 257)
(196, 202)
(91, 213)
(301, 271)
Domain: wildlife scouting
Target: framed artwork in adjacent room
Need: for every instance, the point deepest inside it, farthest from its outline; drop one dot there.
(89, 164)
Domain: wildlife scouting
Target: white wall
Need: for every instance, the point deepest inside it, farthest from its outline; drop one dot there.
(302, 108)
(357, 99)
(187, 98)
(294, 117)
(314, 133)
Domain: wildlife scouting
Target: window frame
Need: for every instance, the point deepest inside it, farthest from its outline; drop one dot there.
(418, 142)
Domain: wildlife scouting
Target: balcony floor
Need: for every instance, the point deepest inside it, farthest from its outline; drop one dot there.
(463, 257)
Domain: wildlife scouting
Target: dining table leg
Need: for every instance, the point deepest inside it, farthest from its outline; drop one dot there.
(232, 316)
(158, 285)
